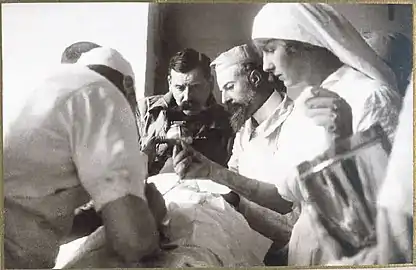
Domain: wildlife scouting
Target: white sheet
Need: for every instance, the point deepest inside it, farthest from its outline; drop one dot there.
(198, 215)
(198, 220)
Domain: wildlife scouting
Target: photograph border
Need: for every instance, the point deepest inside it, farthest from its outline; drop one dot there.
(396, 266)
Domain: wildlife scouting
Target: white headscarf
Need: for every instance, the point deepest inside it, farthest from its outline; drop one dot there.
(323, 26)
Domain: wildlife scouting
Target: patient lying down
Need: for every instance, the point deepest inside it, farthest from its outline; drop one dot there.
(199, 229)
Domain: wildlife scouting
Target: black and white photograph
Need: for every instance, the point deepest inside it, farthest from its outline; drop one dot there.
(195, 135)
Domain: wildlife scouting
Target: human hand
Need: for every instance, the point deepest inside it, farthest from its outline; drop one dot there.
(177, 133)
(329, 110)
(174, 135)
(232, 198)
(189, 163)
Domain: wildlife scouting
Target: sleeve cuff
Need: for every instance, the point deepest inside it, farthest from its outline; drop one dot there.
(115, 186)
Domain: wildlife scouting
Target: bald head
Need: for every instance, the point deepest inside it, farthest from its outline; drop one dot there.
(73, 52)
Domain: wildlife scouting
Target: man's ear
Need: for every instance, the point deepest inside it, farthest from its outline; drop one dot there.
(255, 78)
(128, 82)
(169, 79)
(128, 85)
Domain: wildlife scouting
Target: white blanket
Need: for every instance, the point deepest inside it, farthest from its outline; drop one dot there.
(198, 215)
(198, 220)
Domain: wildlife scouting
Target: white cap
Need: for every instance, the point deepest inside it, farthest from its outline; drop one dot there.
(108, 57)
(238, 55)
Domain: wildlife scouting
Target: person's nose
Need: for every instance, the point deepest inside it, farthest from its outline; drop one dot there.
(186, 94)
(268, 65)
(225, 98)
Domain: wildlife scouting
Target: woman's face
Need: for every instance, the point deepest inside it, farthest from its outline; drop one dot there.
(288, 64)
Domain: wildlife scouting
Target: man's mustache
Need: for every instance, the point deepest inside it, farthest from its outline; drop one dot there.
(187, 105)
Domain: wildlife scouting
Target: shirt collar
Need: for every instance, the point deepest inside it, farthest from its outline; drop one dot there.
(270, 106)
(163, 102)
(275, 120)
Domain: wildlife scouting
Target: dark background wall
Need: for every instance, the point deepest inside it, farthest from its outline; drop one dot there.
(214, 28)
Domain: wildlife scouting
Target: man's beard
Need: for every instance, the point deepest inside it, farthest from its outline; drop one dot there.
(239, 111)
(238, 115)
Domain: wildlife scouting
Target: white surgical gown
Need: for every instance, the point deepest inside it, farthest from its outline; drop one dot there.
(74, 140)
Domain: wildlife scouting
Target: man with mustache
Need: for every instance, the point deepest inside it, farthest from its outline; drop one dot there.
(188, 110)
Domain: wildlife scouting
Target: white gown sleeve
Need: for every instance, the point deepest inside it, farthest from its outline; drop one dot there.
(104, 142)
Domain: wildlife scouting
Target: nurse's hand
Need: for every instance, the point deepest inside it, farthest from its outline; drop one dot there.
(329, 110)
(189, 163)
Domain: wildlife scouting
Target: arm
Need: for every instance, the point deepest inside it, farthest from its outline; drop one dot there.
(112, 169)
(381, 106)
(141, 111)
(130, 228)
(261, 193)
(152, 125)
(395, 199)
(394, 236)
(189, 164)
(270, 224)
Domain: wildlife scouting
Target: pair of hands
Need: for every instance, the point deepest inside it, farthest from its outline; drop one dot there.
(182, 151)
(190, 164)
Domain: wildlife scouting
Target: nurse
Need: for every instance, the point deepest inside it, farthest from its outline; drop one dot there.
(312, 45)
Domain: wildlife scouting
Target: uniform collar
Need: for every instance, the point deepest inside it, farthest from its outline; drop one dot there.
(335, 77)
(275, 120)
